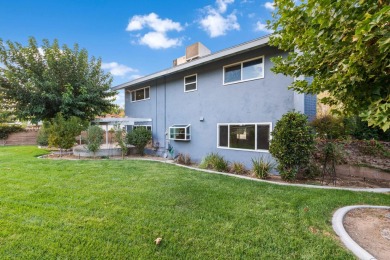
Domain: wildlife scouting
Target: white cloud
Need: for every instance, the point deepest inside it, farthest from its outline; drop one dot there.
(157, 38)
(117, 69)
(222, 5)
(262, 27)
(215, 23)
(270, 6)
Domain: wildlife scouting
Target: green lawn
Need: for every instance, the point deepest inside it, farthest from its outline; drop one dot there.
(112, 209)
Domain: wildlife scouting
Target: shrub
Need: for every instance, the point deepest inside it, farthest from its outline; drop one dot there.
(238, 168)
(359, 129)
(329, 127)
(6, 130)
(62, 132)
(214, 161)
(183, 159)
(43, 134)
(313, 170)
(262, 167)
(120, 138)
(373, 148)
(94, 138)
(292, 144)
(139, 137)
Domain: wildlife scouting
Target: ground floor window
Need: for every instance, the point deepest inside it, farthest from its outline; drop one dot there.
(250, 136)
(148, 127)
(180, 132)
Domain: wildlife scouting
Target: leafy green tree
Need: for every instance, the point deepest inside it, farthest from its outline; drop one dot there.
(292, 144)
(43, 81)
(344, 45)
(120, 138)
(62, 132)
(139, 137)
(94, 138)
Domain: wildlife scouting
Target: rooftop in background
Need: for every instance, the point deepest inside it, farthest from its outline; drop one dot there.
(256, 43)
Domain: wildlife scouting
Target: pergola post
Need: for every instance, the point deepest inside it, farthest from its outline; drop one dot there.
(107, 135)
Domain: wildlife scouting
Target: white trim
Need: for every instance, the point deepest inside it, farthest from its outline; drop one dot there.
(176, 126)
(196, 83)
(242, 64)
(131, 94)
(240, 124)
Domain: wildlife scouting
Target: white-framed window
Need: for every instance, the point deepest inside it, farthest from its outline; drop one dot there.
(140, 94)
(148, 127)
(180, 132)
(244, 136)
(244, 71)
(190, 83)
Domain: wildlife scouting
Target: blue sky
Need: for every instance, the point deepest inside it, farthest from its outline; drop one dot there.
(135, 38)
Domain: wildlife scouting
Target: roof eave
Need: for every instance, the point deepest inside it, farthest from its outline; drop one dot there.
(201, 61)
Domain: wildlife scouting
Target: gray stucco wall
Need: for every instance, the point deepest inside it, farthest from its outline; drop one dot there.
(256, 101)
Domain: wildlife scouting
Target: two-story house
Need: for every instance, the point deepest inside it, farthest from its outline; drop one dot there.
(226, 102)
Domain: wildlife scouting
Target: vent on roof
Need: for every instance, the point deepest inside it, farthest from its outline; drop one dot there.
(193, 51)
(196, 50)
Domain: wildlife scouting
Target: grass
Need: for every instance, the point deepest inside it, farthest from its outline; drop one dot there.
(111, 209)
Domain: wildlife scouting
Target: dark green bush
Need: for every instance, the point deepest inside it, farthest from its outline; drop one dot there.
(360, 130)
(6, 130)
(292, 144)
(262, 167)
(214, 161)
(139, 137)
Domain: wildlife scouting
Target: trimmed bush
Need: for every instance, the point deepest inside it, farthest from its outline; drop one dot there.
(139, 137)
(262, 167)
(214, 161)
(6, 130)
(292, 144)
(94, 138)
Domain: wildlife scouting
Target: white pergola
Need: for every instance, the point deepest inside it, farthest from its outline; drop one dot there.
(122, 121)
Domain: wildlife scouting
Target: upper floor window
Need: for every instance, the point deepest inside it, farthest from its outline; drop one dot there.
(243, 71)
(140, 94)
(190, 83)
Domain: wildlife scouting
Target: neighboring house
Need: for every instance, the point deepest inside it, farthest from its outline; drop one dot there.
(226, 102)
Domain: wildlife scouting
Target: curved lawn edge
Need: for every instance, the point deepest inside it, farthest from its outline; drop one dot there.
(374, 190)
(338, 227)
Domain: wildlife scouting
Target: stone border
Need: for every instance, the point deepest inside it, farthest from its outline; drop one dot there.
(338, 227)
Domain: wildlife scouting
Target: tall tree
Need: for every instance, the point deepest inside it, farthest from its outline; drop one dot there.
(43, 81)
(344, 45)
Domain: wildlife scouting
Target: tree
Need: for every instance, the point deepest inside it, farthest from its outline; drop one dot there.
(43, 81)
(139, 137)
(62, 132)
(292, 144)
(94, 138)
(344, 45)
